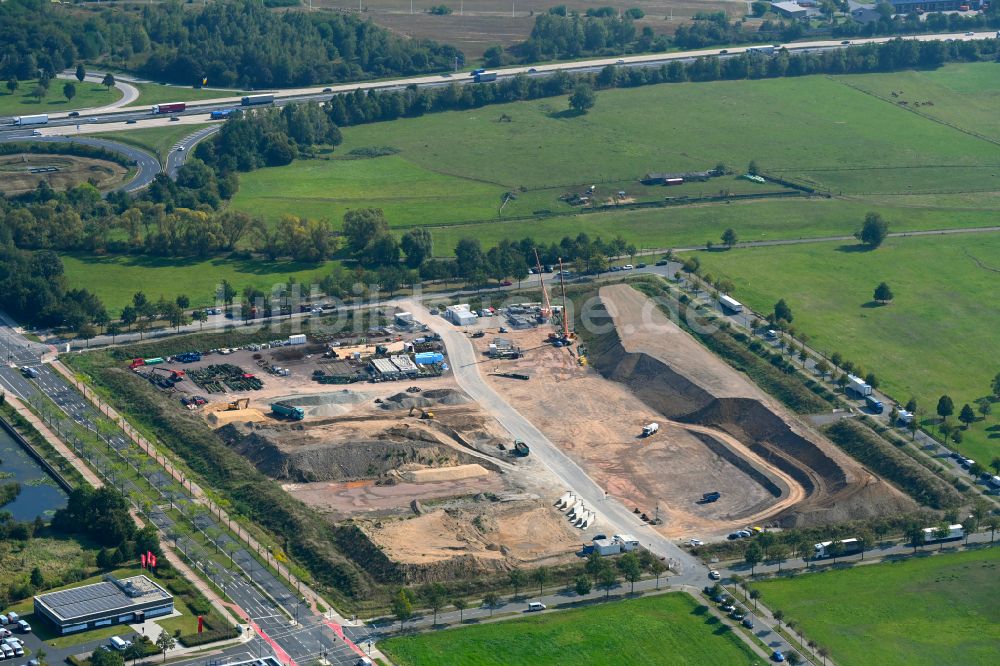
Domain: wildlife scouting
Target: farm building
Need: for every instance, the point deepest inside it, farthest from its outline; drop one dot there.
(113, 601)
(790, 9)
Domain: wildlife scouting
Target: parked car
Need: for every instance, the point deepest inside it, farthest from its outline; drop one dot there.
(23, 627)
(535, 606)
(728, 608)
(696, 542)
(8, 652)
(747, 622)
(640, 265)
(714, 575)
(777, 656)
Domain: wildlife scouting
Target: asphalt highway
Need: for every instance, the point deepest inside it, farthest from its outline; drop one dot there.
(143, 117)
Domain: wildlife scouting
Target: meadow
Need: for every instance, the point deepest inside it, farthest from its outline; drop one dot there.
(934, 338)
(454, 168)
(158, 93)
(120, 277)
(21, 103)
(157, 140)
(668, 628)
(930, 610)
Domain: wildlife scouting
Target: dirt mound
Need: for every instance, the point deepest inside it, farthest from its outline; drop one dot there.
(673, 374)
(321, 405)
(426, 399)
(345, 459)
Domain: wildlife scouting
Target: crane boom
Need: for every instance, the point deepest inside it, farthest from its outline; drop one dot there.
(547, 310)
(562, 285)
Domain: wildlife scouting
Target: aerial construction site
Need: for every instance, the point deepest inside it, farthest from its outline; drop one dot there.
(380, 431)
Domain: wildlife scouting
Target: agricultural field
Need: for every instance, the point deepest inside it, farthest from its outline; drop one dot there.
(636, 631)
(933, 339)
(88, 95)
(473, 27)
(924, 610)
(116, 278)
(156, 140)
(454, 168)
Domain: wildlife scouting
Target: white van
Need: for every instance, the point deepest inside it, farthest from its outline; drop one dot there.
(535, 606)
(119, 643)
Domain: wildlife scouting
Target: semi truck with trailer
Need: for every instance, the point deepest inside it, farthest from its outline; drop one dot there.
(650, 430)
(288, 411)
(252, 100)
(850, 547)
(874, 404)
(37, 119)
(730, 303)
(173, 107)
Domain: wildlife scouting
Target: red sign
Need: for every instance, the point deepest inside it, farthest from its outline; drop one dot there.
(201, 624)
(142, 558)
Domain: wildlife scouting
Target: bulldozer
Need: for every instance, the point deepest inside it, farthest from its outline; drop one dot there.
(424, 414)
(235, 405)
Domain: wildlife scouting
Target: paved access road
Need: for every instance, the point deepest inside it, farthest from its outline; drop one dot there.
(201, 107)
(288, 628)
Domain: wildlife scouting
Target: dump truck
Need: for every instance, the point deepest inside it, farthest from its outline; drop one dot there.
(650, 430)
(520, 448)
(288, 411)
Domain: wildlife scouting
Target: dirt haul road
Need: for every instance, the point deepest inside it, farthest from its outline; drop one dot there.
(676, 376)
(467, 369)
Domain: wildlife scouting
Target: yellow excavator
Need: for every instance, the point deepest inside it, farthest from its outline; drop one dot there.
(424, 414)
(241, 403)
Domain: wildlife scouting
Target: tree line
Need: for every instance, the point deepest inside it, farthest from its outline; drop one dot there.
(236, 43)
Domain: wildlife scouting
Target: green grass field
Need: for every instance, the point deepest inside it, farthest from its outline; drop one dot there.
(933, 610)
(158, 93)
(454, 167)
(21, 103)
(157, 140)
(665, 629)
(120, 277)
(935, 338)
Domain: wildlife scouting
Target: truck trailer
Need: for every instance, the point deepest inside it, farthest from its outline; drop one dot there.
(486, 77)
(37, 119)
(173, 107)
(252, 100)
(730, 303)
(288, 411)
(955, 533)
(850, 547)
(222, 114)
(859, 386)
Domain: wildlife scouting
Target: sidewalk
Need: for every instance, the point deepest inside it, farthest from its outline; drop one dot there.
(88, 474)
(312, 597)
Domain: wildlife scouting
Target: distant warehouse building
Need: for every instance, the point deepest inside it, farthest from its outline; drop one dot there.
(129, 600)
(789, 9)
(911, 6)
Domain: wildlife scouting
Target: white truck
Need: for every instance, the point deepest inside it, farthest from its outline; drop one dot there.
(730, 303)
(849, 547)
(955, 532)
(859, 386)
(37, 119)
(650, 430)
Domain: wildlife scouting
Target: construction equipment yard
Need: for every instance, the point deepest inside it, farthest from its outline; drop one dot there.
(444, 490)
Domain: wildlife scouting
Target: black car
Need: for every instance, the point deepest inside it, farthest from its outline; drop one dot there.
(74, 114)
(327, 89)
(130, 121)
